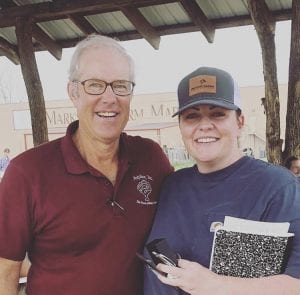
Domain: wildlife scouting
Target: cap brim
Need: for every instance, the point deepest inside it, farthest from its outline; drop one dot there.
(218, 103)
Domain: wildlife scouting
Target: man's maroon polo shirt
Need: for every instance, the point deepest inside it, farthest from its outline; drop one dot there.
(56, 207)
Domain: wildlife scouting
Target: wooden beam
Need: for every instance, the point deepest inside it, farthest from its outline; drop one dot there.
(227, 22)
(142, 25)
(199, 18)
(40, 36)
(46, 12)
(175, 29)
(62, 8)
(7, 3)
(32, 81)
(9, 50)
(83, 24)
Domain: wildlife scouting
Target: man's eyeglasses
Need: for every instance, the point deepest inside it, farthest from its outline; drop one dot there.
(97, 87)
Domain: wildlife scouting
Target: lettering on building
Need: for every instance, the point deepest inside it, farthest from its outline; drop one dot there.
(162, 111)
(136, 114)
(60, 118)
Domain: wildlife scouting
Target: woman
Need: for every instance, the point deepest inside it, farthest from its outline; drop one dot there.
(293, 164)
(223, 182)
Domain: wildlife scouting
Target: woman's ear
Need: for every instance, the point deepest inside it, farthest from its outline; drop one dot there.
(241, 121)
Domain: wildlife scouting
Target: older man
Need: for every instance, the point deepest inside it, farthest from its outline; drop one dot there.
(82, 205)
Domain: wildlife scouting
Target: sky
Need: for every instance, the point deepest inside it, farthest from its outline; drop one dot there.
(235, 50)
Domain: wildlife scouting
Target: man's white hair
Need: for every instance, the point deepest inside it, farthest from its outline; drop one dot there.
(97, 41)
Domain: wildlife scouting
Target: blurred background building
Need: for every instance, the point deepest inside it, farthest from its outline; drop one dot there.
(150, 116)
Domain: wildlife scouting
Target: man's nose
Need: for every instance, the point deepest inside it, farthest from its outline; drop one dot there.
(108, 95)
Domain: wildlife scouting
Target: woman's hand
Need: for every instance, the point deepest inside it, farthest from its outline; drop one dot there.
(192, 278)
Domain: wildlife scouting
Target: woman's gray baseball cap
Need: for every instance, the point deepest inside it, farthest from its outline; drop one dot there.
(209, 86)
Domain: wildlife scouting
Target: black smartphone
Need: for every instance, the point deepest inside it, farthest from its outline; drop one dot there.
(161, 252)
(150, 264)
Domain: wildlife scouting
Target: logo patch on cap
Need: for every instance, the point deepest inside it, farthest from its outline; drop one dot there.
(202, 84)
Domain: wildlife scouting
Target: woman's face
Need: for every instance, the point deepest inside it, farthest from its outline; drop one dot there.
(210, 135)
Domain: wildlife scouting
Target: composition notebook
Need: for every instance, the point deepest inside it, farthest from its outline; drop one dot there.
(249, 249)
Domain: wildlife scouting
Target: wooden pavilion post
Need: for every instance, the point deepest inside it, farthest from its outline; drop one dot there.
(32, 81)
(264, 24)
(292, 133)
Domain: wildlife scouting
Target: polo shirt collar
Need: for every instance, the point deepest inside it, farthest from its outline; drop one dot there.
(74, 162)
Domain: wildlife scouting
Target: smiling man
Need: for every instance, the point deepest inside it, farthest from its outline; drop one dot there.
(223, 182)
(82, 205)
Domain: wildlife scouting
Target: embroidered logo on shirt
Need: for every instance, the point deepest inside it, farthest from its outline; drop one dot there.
(145, 188)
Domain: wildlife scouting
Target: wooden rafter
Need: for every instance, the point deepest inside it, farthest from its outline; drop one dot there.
(180, 28)
(78, 10)
(83, 24)
(9, 56)
(40, 36)
(62, 8)
(9, 50)
(7, 3)
(199, 19)
(142, 25)
(226, 22)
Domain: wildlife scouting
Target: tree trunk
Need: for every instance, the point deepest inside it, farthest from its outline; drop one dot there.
(32, 81)
(265, 28)
(292, 132)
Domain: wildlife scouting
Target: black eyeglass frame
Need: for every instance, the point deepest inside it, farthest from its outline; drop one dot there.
(111, 84)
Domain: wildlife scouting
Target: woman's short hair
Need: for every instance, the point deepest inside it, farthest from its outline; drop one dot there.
(289, 160)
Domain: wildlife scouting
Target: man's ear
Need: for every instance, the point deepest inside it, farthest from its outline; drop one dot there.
(72, 91)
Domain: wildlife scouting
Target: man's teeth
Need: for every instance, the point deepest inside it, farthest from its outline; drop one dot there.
(206, 139)
(107, 114)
